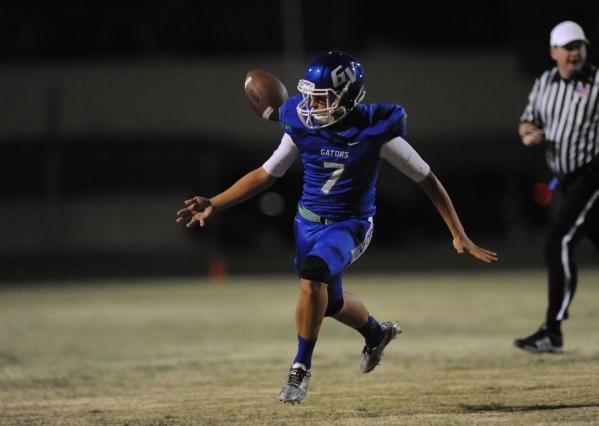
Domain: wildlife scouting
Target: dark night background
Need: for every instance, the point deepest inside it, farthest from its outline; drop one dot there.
(82, 31)
(40, 171)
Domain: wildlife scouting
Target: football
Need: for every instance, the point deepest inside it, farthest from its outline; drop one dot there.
(265, 94)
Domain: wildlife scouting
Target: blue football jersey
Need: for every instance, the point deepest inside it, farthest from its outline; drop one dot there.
(341, 162)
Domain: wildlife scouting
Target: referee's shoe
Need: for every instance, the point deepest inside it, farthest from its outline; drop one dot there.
(543, 341)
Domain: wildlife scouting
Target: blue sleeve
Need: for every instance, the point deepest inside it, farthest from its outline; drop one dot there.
(397, 121)
(387, 121)
(288, 118)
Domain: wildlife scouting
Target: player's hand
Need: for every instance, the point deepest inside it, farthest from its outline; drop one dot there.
(533, 137)
(199, 209)
(462, 243)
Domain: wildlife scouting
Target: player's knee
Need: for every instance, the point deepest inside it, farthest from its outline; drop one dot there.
(334, 308)
(313, 268)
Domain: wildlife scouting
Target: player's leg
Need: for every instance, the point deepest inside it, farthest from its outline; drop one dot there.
(353, 313)
(309, 313)
(577, 216)
(594, 235)
(592, 219)
(323, 251)
(341, 244)
(318, 252)
(310, 309)
(376, 335)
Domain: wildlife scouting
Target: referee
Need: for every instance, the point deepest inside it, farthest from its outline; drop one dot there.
(563, 112)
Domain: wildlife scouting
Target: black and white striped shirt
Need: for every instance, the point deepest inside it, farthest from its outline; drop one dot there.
(568, 112)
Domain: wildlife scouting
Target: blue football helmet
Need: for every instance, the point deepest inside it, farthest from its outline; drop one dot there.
(334, 78)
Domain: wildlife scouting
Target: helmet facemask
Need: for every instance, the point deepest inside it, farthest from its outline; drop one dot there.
(322, 117)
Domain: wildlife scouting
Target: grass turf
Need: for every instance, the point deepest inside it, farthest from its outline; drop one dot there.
(193, 352)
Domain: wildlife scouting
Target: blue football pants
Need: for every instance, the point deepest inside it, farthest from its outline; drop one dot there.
(338, 244)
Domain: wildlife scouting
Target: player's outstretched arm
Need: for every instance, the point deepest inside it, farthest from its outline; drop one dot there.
(442, 202)
(199, 208)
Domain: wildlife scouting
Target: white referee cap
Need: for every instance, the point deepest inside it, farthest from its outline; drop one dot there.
(565, 32)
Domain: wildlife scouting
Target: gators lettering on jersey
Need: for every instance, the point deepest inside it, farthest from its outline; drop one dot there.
(341, 162)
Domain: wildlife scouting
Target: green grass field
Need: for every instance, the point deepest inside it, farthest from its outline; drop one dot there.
(191, 352)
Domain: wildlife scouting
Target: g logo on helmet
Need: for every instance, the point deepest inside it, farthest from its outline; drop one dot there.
(339, 77)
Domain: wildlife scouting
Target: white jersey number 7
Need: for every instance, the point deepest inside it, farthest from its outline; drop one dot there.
(332, 180)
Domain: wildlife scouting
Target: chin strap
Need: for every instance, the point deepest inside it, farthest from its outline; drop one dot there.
(344, 91)
(341, 111)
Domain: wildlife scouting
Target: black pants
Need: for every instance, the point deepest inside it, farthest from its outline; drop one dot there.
(577, 217)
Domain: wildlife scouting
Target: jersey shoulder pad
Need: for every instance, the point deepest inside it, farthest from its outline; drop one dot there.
(288, 118)
(387, 119)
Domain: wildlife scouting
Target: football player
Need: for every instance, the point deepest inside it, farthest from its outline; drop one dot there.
(342, 143)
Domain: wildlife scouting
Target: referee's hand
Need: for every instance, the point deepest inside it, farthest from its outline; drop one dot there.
(533, 137)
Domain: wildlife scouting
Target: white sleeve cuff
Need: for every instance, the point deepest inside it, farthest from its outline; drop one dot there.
(403, 157)
(282, 158)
